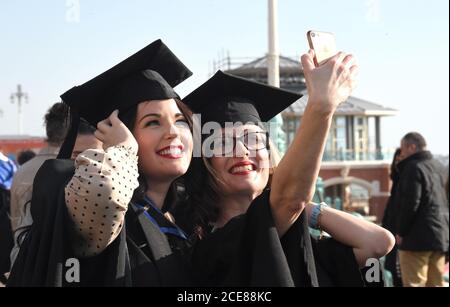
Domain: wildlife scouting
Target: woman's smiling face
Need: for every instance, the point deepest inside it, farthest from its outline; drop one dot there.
(164, 138)
(245, 170)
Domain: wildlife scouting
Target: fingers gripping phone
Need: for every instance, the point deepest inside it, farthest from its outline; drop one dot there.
(324, 45)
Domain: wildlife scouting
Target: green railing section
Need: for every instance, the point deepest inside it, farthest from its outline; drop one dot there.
(352, 155)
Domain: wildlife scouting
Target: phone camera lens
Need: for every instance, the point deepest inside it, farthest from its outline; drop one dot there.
(313, 34)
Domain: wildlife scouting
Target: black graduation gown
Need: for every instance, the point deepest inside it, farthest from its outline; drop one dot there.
(140, 256)
(247, 251)
(336, 264)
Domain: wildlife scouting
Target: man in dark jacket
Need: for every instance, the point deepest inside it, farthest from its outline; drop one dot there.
(422, 219)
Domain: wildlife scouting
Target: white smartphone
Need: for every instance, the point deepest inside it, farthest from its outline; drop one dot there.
(324, 45)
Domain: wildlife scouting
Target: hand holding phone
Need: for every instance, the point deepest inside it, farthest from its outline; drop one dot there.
(328, 84)
(323, 44)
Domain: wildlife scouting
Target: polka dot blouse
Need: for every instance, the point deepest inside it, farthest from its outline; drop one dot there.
(98, 195)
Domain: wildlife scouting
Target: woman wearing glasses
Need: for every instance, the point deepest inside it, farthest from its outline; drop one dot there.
(251, 212)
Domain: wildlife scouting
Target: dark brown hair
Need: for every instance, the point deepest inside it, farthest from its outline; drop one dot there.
(394, 170)
(57, 123)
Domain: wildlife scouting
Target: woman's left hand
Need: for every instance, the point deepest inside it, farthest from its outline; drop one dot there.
(113, 132)
(331, 83)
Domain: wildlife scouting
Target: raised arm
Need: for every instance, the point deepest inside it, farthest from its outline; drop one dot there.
(98, 195)
(293, 182)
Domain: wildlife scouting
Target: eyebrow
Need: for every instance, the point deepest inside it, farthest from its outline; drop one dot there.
(149, 115)
(159, 116)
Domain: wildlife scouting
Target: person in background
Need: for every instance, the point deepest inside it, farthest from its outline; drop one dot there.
(25, 156)
(422, 231)
(56, 128)
(7, 170)
(388, 222)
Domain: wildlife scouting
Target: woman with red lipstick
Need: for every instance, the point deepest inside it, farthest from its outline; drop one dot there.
(259, 230)
(110, 211)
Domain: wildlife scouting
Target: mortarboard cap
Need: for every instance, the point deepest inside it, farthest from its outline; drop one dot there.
(226, 98)
(149, 74)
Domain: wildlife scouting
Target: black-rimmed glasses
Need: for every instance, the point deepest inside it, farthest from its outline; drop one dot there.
(226, 144)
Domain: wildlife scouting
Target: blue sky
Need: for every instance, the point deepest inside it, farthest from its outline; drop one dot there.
(49, 46)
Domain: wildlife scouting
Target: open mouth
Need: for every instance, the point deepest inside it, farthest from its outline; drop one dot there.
(171, 152)
(243, 168)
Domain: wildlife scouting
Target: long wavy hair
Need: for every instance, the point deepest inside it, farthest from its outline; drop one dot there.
(394, 170)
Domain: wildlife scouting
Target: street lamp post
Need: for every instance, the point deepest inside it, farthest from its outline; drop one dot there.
(273, 56)
(18, 96)
(273, 71)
